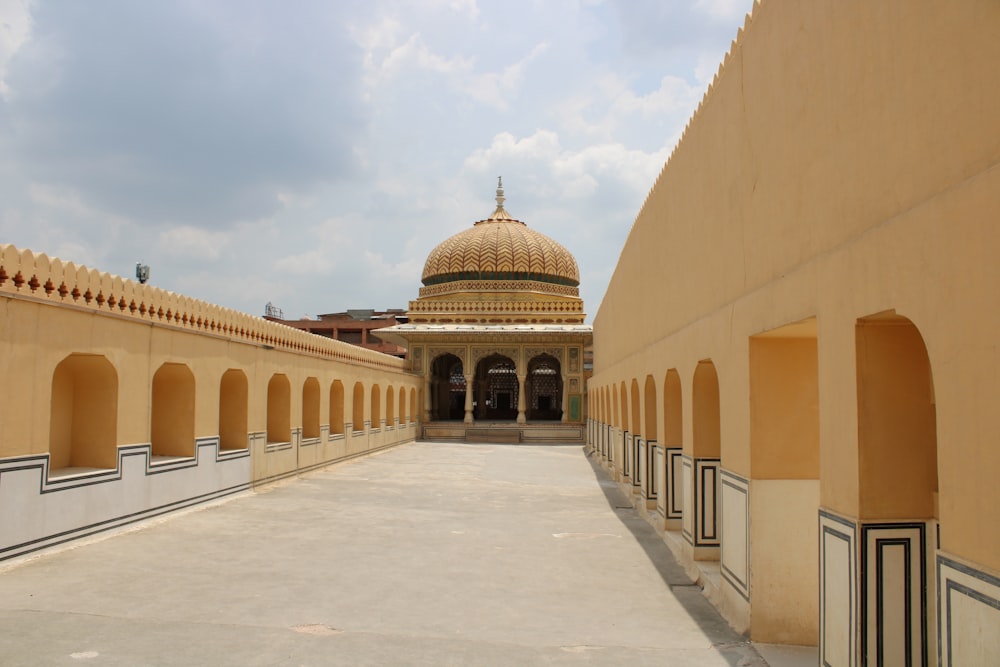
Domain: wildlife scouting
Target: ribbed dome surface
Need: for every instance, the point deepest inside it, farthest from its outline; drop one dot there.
(500, 248)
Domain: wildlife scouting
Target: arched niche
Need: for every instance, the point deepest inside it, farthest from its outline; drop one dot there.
(376, 406)
(310, 408)
(83, 418)
(172, 418)
(358, 407)
(233, 407)
(649, 408)
(336, 407)
(279, 408)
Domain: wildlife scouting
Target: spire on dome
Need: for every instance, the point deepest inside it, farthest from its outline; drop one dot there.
(500, 213)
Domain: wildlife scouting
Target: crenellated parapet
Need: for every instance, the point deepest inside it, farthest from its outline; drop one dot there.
(37, 277)
(723, 65)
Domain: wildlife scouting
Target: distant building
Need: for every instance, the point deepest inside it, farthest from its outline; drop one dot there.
(355, 327)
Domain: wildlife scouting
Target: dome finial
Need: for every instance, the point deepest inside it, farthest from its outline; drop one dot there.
(500, 215)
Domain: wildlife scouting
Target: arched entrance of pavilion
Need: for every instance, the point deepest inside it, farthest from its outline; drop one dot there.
(496, 389)
(544, 389)
(447, 388)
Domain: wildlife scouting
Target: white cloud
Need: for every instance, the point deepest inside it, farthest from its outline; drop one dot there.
(414, 52)
(15, 30)
(674, 94)
(405, 272)
(193, 243)
(633, 168)
(328, 241)
(314, 158)
(613, 111)
(465, 6)
(309, 262)
(497, 88)
(724, 10)
(542, 145)
(77, 253)
(564, 173)
(202, 131)
(387, 58)
(61, 199)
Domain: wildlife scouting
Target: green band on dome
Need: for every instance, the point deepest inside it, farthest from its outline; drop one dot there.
(499, 275)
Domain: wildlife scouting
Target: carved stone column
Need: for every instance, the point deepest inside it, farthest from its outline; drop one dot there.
(428, 388)
(468, 398)
(520, 399)
(565, 398)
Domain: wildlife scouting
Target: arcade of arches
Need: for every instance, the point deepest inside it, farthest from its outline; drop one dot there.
(499, 393)
(808, 413)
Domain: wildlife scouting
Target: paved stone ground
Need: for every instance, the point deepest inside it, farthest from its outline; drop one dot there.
(426, 554)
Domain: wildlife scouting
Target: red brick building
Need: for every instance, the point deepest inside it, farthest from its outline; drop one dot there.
(354, 326)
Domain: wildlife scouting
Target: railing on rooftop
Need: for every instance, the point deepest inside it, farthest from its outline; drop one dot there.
(37, 277)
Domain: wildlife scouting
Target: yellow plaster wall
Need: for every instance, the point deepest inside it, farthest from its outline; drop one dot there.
(784, 405)
(844, 163)
(784, 561)
(45, 316)
(896, 434)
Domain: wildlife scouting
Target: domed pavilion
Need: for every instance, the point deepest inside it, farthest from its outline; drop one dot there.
(497, 333)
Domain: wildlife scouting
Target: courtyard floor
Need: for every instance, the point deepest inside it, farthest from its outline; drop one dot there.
(425, 554)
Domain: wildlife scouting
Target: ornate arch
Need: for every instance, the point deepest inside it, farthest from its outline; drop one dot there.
(496, 388)
(447, 385)
(459, 351)
(544, 388)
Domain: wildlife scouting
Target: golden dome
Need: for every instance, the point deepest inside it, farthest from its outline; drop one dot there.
(500, 248)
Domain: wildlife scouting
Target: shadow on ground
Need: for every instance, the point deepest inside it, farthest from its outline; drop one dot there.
(732, 646)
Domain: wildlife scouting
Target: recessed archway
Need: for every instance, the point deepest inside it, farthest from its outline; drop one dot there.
(279, 408)
(390, 406)
(614, 407)
(623, 395)
(172, 418)
(784, 478)
(447, 388)
(673, 410)
(358, 407)
(496, 389)
(673, 500)
(310, 408)
(636, 406)
(402, 406)
(649, 408)
(337, 408)
(704, 520)
(898, 486)
(544, 389)
(83, 418)
(233, 397)
(706, 427)
(376, 406)
(897, 424)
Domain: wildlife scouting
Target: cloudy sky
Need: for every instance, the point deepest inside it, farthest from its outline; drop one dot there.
(311, 154)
